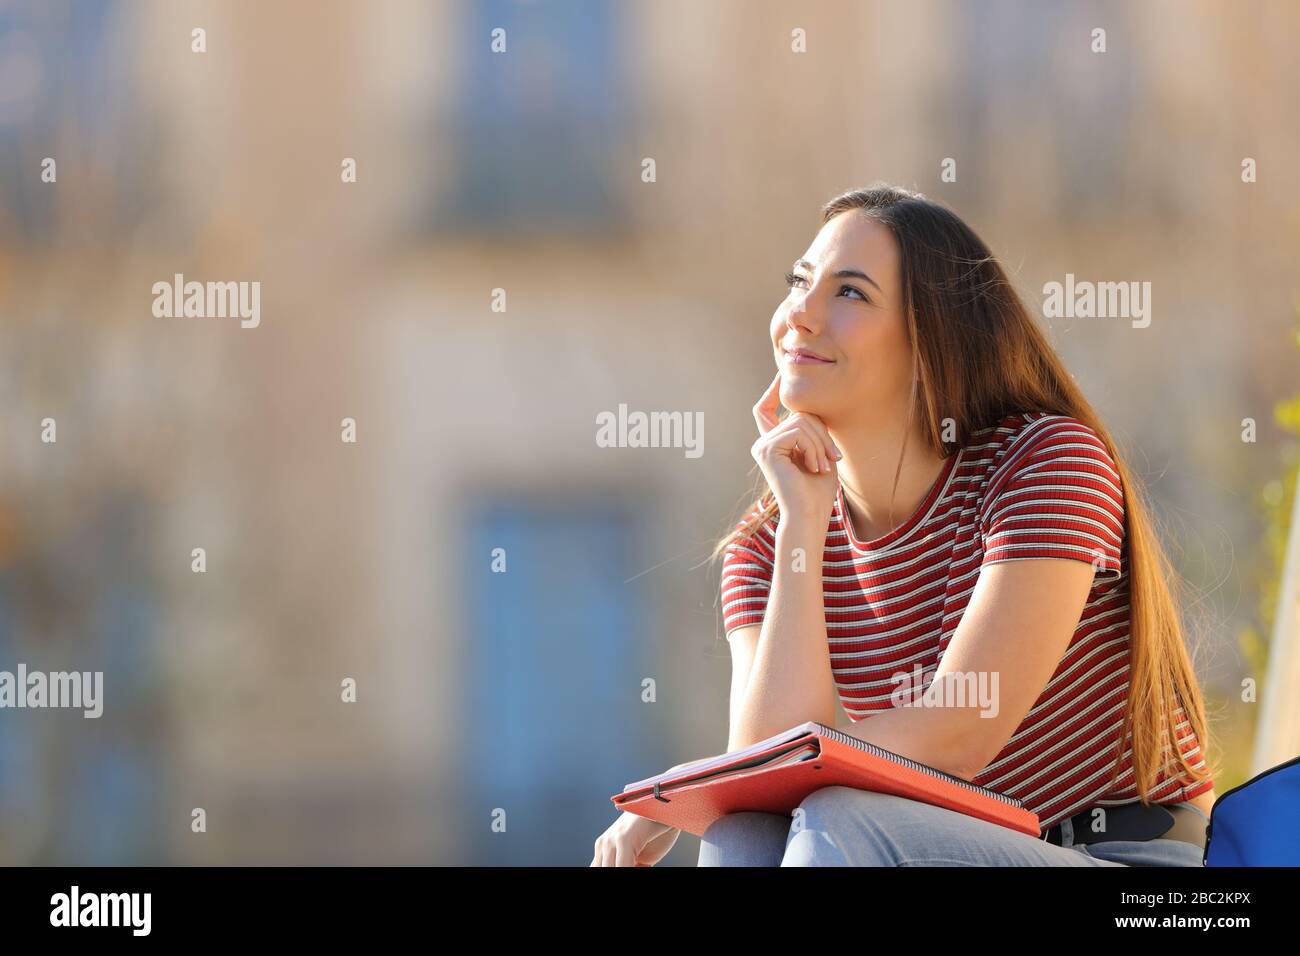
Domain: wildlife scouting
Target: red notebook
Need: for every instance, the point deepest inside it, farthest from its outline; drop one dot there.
(775, 775)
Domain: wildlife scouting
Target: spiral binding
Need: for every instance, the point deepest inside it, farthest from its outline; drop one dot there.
(841, 737)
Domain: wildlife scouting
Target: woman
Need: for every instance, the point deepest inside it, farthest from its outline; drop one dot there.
(944, 508)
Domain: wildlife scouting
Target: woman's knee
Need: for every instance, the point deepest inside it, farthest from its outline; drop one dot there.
(730, 825)
(834, 808)
(745, 838)
(839, 826)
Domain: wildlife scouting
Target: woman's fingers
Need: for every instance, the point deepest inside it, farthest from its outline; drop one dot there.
(801, 440)
(798, 443)
(766, 407)
(809, 453)
(817, 425)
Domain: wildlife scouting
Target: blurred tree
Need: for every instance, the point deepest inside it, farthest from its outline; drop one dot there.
(1276, 502)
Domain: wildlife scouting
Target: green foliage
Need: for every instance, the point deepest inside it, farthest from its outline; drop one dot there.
(1275, 503)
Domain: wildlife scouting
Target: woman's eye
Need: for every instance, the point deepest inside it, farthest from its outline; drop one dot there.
(791, 279)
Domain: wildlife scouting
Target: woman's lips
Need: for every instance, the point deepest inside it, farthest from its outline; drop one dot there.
(800, 357)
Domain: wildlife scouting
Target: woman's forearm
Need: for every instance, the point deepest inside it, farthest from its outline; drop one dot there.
(790, 680)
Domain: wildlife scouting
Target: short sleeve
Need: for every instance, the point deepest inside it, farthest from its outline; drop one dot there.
(1057, 496)
(747, 566)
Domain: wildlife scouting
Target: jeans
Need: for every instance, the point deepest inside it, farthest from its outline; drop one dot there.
(843, 826)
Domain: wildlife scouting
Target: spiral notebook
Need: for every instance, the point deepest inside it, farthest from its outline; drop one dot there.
(776, 774)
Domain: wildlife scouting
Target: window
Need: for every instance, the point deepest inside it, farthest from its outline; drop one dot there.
(553, 648)
(1029, 69)
(63, 94)
(535, 137)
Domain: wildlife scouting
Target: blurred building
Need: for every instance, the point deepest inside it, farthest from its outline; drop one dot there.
(524, 692)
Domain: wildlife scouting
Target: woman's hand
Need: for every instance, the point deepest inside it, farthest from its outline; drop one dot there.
(798, 458)
(632, 840)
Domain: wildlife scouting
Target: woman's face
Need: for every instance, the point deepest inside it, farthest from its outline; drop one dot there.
(844, 309)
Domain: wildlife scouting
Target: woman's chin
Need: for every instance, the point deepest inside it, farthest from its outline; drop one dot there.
(799, 399)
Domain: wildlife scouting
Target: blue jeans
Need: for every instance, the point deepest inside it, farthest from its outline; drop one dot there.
(842, 826)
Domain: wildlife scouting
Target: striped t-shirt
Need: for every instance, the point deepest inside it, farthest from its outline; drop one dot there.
(1036, 485)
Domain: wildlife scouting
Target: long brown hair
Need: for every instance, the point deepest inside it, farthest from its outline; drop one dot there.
(977, 356)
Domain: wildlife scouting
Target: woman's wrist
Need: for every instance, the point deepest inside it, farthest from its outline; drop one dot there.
(801, 532)
(804, 523)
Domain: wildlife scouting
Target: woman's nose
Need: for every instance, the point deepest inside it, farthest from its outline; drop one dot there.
(802, 313)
